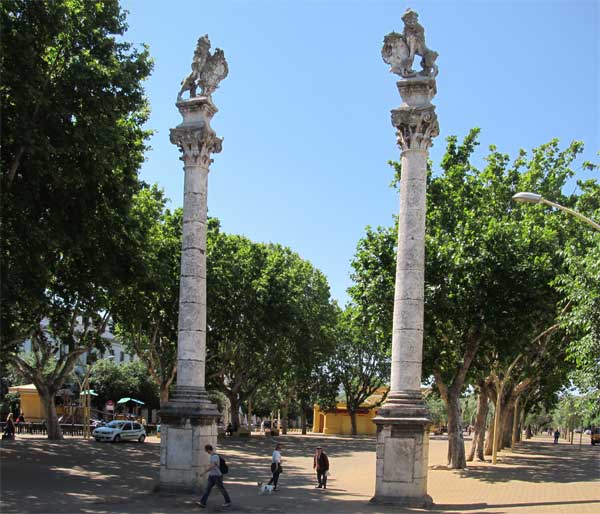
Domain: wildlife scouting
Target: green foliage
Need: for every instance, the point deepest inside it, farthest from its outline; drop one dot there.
(490, 269)
(437, 409)
(360, 363)
(72, 143)
(146, 309)
(269, 319)
(113, 381)
(580, 283)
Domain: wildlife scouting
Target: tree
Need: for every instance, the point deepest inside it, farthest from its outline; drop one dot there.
(146, 310)
(267, 308)
(360, 363)
(580, 283)
(480, 251)
(72, 139)
(113, 381)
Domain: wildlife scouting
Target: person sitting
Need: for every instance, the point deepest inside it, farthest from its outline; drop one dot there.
(229, 429)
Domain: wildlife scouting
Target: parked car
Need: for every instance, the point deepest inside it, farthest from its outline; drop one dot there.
(120, 430)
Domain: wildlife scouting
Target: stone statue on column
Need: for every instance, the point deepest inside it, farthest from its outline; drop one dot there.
(403, 420)
(188, 420)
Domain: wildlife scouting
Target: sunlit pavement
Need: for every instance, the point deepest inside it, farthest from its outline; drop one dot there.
(89, 477)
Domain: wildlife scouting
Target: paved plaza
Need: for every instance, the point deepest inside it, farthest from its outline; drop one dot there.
(88, 477)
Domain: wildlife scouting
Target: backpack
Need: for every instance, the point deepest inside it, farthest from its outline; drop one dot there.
(223, 467)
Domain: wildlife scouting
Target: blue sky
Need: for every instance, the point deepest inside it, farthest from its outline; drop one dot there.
(305, 110)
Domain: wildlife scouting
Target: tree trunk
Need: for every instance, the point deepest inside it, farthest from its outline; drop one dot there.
(479, 429)
(353, 421)
(284, 420)
(164, 394)
(235, 410)
(303, 421)
(513, 441)
(489, 441)
(250, 414)
(52, 426)
(506, 423)
(456, 442)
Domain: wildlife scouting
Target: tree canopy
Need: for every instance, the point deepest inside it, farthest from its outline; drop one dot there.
(72, 140)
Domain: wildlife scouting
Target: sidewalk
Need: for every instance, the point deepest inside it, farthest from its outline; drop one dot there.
(77, 476)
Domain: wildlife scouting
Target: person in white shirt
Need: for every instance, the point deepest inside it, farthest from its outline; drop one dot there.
(276, 468)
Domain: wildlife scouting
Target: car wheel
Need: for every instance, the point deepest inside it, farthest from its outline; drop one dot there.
(142, 438)
(117, 438)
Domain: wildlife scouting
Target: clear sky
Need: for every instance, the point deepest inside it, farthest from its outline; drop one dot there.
(304, 112)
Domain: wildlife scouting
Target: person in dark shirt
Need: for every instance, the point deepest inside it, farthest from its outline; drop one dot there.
(321, 466)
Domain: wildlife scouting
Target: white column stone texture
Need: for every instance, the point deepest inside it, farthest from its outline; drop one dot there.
(188, 420)
(403, 421)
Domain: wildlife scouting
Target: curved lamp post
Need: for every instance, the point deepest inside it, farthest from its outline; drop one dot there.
(535, 198)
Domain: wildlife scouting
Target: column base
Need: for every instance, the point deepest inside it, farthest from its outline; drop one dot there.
(188, 423)
(402, 451)
(423, 502)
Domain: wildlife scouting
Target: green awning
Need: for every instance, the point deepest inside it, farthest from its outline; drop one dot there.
(126, 400)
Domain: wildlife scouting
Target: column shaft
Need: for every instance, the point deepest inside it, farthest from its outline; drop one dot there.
(191, 341)
(407, 338)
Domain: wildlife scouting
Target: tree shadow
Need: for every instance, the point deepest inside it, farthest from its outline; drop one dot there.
(541, 463)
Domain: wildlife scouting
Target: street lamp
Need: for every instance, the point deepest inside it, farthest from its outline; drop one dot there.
(535, 198)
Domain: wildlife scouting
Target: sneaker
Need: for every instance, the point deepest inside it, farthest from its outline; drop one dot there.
(201, 505)
(226, 504)
(318, 486)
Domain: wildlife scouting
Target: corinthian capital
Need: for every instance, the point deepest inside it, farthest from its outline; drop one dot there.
(196, 144)
(416, 126)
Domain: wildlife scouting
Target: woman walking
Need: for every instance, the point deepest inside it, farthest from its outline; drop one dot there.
(275, 467)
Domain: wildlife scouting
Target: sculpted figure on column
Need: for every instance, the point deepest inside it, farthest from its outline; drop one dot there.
(399, 50)
(208, 70)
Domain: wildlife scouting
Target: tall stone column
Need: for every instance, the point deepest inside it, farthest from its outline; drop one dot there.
(188, 419)
(403, 421)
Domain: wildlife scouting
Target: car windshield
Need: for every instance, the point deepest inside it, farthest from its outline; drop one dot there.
(115, 424)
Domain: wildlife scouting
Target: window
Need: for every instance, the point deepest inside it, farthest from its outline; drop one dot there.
(122, 357)
(137, 426)
(127, 426)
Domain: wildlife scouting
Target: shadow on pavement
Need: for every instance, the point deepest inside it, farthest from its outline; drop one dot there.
(541, 462)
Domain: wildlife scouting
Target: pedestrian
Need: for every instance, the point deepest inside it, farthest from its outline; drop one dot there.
(321, 466)
(276, 468)
(215, 477)
(9, 429)
(556, 436)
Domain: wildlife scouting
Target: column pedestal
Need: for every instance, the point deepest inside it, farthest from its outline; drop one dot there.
(402, 451)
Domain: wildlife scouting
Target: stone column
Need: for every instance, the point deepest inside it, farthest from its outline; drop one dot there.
(188, 420)
(403, 420)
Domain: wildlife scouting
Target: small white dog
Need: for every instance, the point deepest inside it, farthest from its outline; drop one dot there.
(264, 488)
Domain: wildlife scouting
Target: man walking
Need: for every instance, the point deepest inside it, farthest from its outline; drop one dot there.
(215, 477)
(321, 466)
